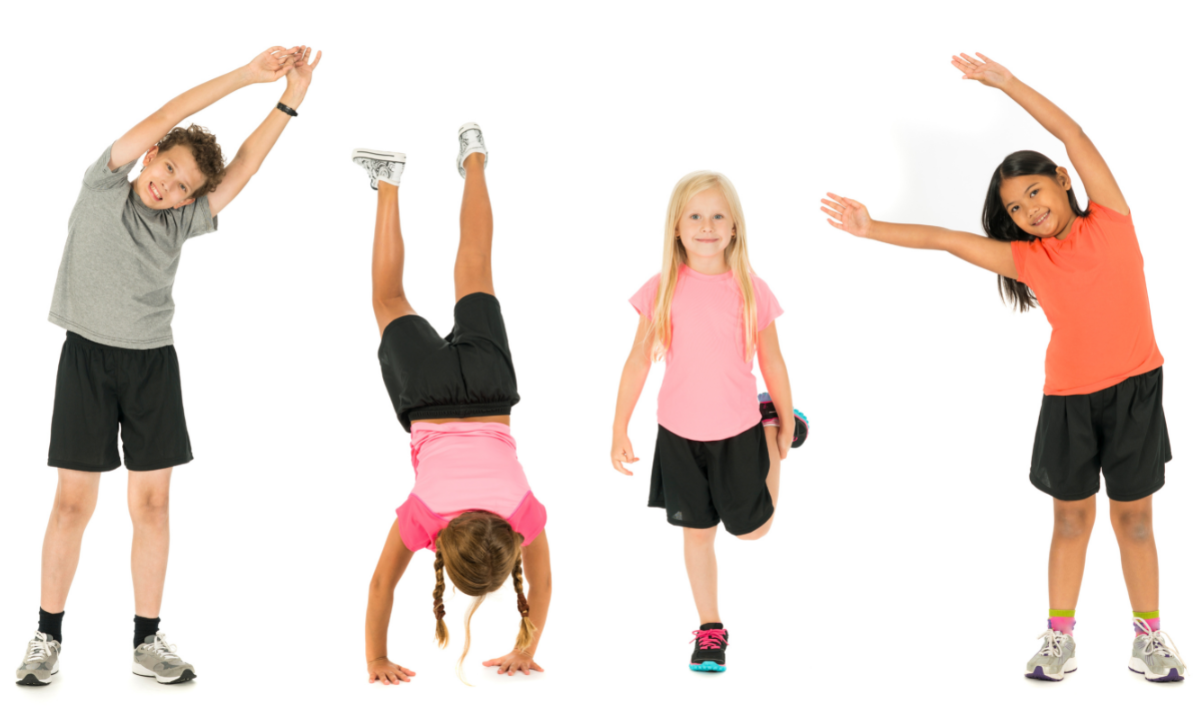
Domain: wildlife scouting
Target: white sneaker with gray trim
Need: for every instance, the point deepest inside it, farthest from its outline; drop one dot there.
(470, 140)
(155, 658)
(41, 661)
(1055, 659)
(1153, 657)
(381, 165)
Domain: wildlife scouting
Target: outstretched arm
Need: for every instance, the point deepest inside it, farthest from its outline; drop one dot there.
(633, 379)
(1097, 179)
(392, 563)
(251, 154)
(852, 216)
(775, 375)
(535, 561)
(267, 67)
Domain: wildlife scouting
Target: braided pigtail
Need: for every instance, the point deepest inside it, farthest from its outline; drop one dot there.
(439, 609)
(528, 629)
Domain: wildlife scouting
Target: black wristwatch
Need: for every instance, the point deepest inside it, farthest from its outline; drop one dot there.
(287, 110)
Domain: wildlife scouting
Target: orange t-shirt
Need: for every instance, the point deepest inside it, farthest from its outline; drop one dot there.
(1093, 290)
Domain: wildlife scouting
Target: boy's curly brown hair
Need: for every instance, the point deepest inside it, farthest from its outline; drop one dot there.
(205, 150)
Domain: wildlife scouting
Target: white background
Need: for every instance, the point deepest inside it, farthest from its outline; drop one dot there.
(906, 570)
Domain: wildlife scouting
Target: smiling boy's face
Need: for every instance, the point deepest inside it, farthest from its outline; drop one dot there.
(169, 179)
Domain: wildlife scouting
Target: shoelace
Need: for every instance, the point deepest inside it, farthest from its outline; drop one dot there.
(710, 639)
(162, 649)
(1157, 642)
(1054, 642)
(39, 648)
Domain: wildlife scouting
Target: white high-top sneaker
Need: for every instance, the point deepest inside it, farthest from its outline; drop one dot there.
(470, 140)
(381, 165)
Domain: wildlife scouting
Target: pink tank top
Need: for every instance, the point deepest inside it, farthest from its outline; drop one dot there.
(463, 466)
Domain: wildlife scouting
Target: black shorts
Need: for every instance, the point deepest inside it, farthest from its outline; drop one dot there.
(469, 373)
(703, 483)
(99, 388)
(1120, 430)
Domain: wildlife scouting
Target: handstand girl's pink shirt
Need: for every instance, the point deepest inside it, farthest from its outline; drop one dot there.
(463, 466)
(708, 391)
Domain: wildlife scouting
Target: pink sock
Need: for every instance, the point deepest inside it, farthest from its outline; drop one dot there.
(1064, 625)
(1152, 622)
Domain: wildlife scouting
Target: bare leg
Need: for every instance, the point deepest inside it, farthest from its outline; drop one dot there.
(772, 433)
(149, 500)
(387, 261)
(1073, 522)
(700, 555)
(74, 502)
(1133, 523)
(473, 267)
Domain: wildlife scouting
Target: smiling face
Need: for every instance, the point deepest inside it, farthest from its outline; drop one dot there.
(1038, 204)
(169, 178)
(706, 229)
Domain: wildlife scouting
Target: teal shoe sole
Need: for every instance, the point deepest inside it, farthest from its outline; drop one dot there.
(708, 666)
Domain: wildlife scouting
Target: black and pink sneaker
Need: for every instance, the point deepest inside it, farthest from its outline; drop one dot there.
(770, 416)
(711, 641)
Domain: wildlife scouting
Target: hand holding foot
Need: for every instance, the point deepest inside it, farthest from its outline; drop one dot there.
(387, 672)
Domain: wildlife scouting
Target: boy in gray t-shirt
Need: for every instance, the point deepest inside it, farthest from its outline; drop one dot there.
(118, 371)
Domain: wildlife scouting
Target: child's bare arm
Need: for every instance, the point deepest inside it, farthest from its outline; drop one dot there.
(1097, 179)
(254, 150)
(269, 66)
(852, 216)
(775, 375)
(392, 563)
(633, 379)
(535, 563)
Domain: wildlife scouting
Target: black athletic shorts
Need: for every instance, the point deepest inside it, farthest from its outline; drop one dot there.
(101, 388)
(469, 373)
(703, 483)
(1120, 430)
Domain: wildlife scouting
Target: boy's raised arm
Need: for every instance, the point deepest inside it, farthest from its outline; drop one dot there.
(269, 66)
(254, 150)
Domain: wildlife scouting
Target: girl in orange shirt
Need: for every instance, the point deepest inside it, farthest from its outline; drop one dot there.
(1102, 403)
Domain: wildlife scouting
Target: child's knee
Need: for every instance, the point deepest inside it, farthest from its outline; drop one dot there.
(1133, 524)
(1072, 522)
(700, 536)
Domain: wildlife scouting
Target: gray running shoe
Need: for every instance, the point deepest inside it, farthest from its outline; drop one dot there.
(41, 661)
(381, 165)
(1055, 659)
(155, 658)
(470, 140)
(1153, 657)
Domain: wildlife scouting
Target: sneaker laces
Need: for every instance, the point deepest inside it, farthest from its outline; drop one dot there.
(162, 649)
(1053, 643)
(710, 639)
(1157, 642)
(39, 648)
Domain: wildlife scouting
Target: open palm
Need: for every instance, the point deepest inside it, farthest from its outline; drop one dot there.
(985, 70)
(846, 214)
(301, 70)
(271, 64)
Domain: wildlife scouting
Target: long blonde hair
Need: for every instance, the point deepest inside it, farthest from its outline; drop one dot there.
(674, 255)
(480, 551)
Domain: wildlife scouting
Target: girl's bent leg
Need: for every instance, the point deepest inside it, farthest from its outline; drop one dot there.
(74, 502)
(1133, 523)
(473, 267)
(149, 500)
(1073, 521)
(772, 434)
(700, 556)
(387, 261)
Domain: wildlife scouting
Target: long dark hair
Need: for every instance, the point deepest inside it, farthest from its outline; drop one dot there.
(998, 225)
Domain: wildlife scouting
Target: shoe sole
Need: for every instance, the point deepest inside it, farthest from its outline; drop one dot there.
(31, 680)
(378, 155)
(1039, 674)
(707, 666)
(185, 676)
(1171, 676)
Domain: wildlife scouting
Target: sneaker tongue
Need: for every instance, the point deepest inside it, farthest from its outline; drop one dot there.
(712, 626)
(149, 640)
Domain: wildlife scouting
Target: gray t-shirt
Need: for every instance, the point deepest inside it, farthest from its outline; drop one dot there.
(118, 267)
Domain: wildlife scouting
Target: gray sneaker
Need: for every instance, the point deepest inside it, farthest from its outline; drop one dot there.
(41, 661)
(155, 658)
(381, 165)
(1153, 657)
(1055, 659)
(470, 140)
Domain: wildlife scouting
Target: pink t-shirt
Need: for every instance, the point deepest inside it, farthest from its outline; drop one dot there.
(708, 391)
(463, 466)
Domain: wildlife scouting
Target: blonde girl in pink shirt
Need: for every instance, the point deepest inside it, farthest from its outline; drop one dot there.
(719, 446)
(471, 504)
